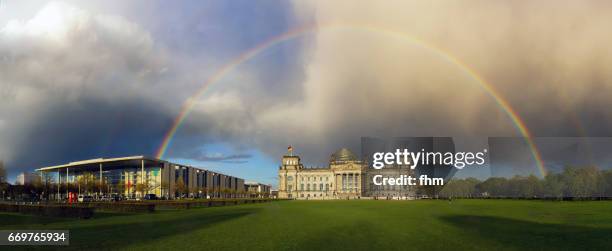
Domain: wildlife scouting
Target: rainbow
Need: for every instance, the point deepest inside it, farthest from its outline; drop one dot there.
(301, 31)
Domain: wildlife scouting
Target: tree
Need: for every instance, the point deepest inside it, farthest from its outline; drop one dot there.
(181, 189)
(86, 183)
(37, 185)
(165, 190)
(144, 187)
(553, 186)
(192, 191)
(463, 188)
(536, 185)
(581, 182)
(494, 187)
(3, 184)
(48, 183)
(607, 182)
(120, 187)
(216, 192)
(141, 188)
(102, 186)
(205, 190)
(523, 187)
(429, 191)
(2, 173)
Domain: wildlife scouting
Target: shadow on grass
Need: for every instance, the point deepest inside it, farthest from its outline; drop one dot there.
(21, 220)
(148, 228)
(110, 231)
(522, 235)
(107, 214)
(16, 219)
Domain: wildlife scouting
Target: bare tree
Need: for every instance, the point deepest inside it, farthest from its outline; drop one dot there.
(181, 188)
(2, 173)
(3, 185)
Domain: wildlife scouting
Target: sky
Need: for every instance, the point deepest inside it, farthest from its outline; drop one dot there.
(90, 79)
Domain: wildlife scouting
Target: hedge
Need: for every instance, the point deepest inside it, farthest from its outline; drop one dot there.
(122, 207)
(86, 210)
(50, 210)
(151, 206)
(206, 203)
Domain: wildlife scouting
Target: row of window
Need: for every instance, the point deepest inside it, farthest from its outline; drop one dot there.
(315, 178)
(291, 162)
(320, 178)
(290, 189)
(314, 187)
(314, 195)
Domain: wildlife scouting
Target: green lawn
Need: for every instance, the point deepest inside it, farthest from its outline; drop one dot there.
(345, 225)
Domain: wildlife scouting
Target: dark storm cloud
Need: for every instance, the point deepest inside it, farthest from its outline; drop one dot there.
(221, 157)
(512, 156)
(74, 85)
(93, 129)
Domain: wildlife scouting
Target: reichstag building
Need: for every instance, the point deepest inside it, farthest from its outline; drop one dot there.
(346, 177)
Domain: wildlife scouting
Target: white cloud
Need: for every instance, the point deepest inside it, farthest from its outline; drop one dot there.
(68, 60)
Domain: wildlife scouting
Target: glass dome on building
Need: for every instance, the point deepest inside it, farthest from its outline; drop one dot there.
(343, 155)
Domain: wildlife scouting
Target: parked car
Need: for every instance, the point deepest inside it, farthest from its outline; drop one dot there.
(85, 198)
(116, 197)
(150, 197)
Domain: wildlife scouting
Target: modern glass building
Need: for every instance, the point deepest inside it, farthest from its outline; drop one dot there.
(135, 176)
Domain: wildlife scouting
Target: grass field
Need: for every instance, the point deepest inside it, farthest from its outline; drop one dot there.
(345, 225)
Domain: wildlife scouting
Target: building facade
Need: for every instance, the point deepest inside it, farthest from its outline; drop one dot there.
(255, 189)
(372, 190)
(341, 180)
(346, 177)
(26, 178)
(133, 177)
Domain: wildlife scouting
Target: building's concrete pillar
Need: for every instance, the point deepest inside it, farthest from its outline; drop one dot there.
(349, 182)
(67, 181)
(59, 182)
(142, 171)
(101, 183)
